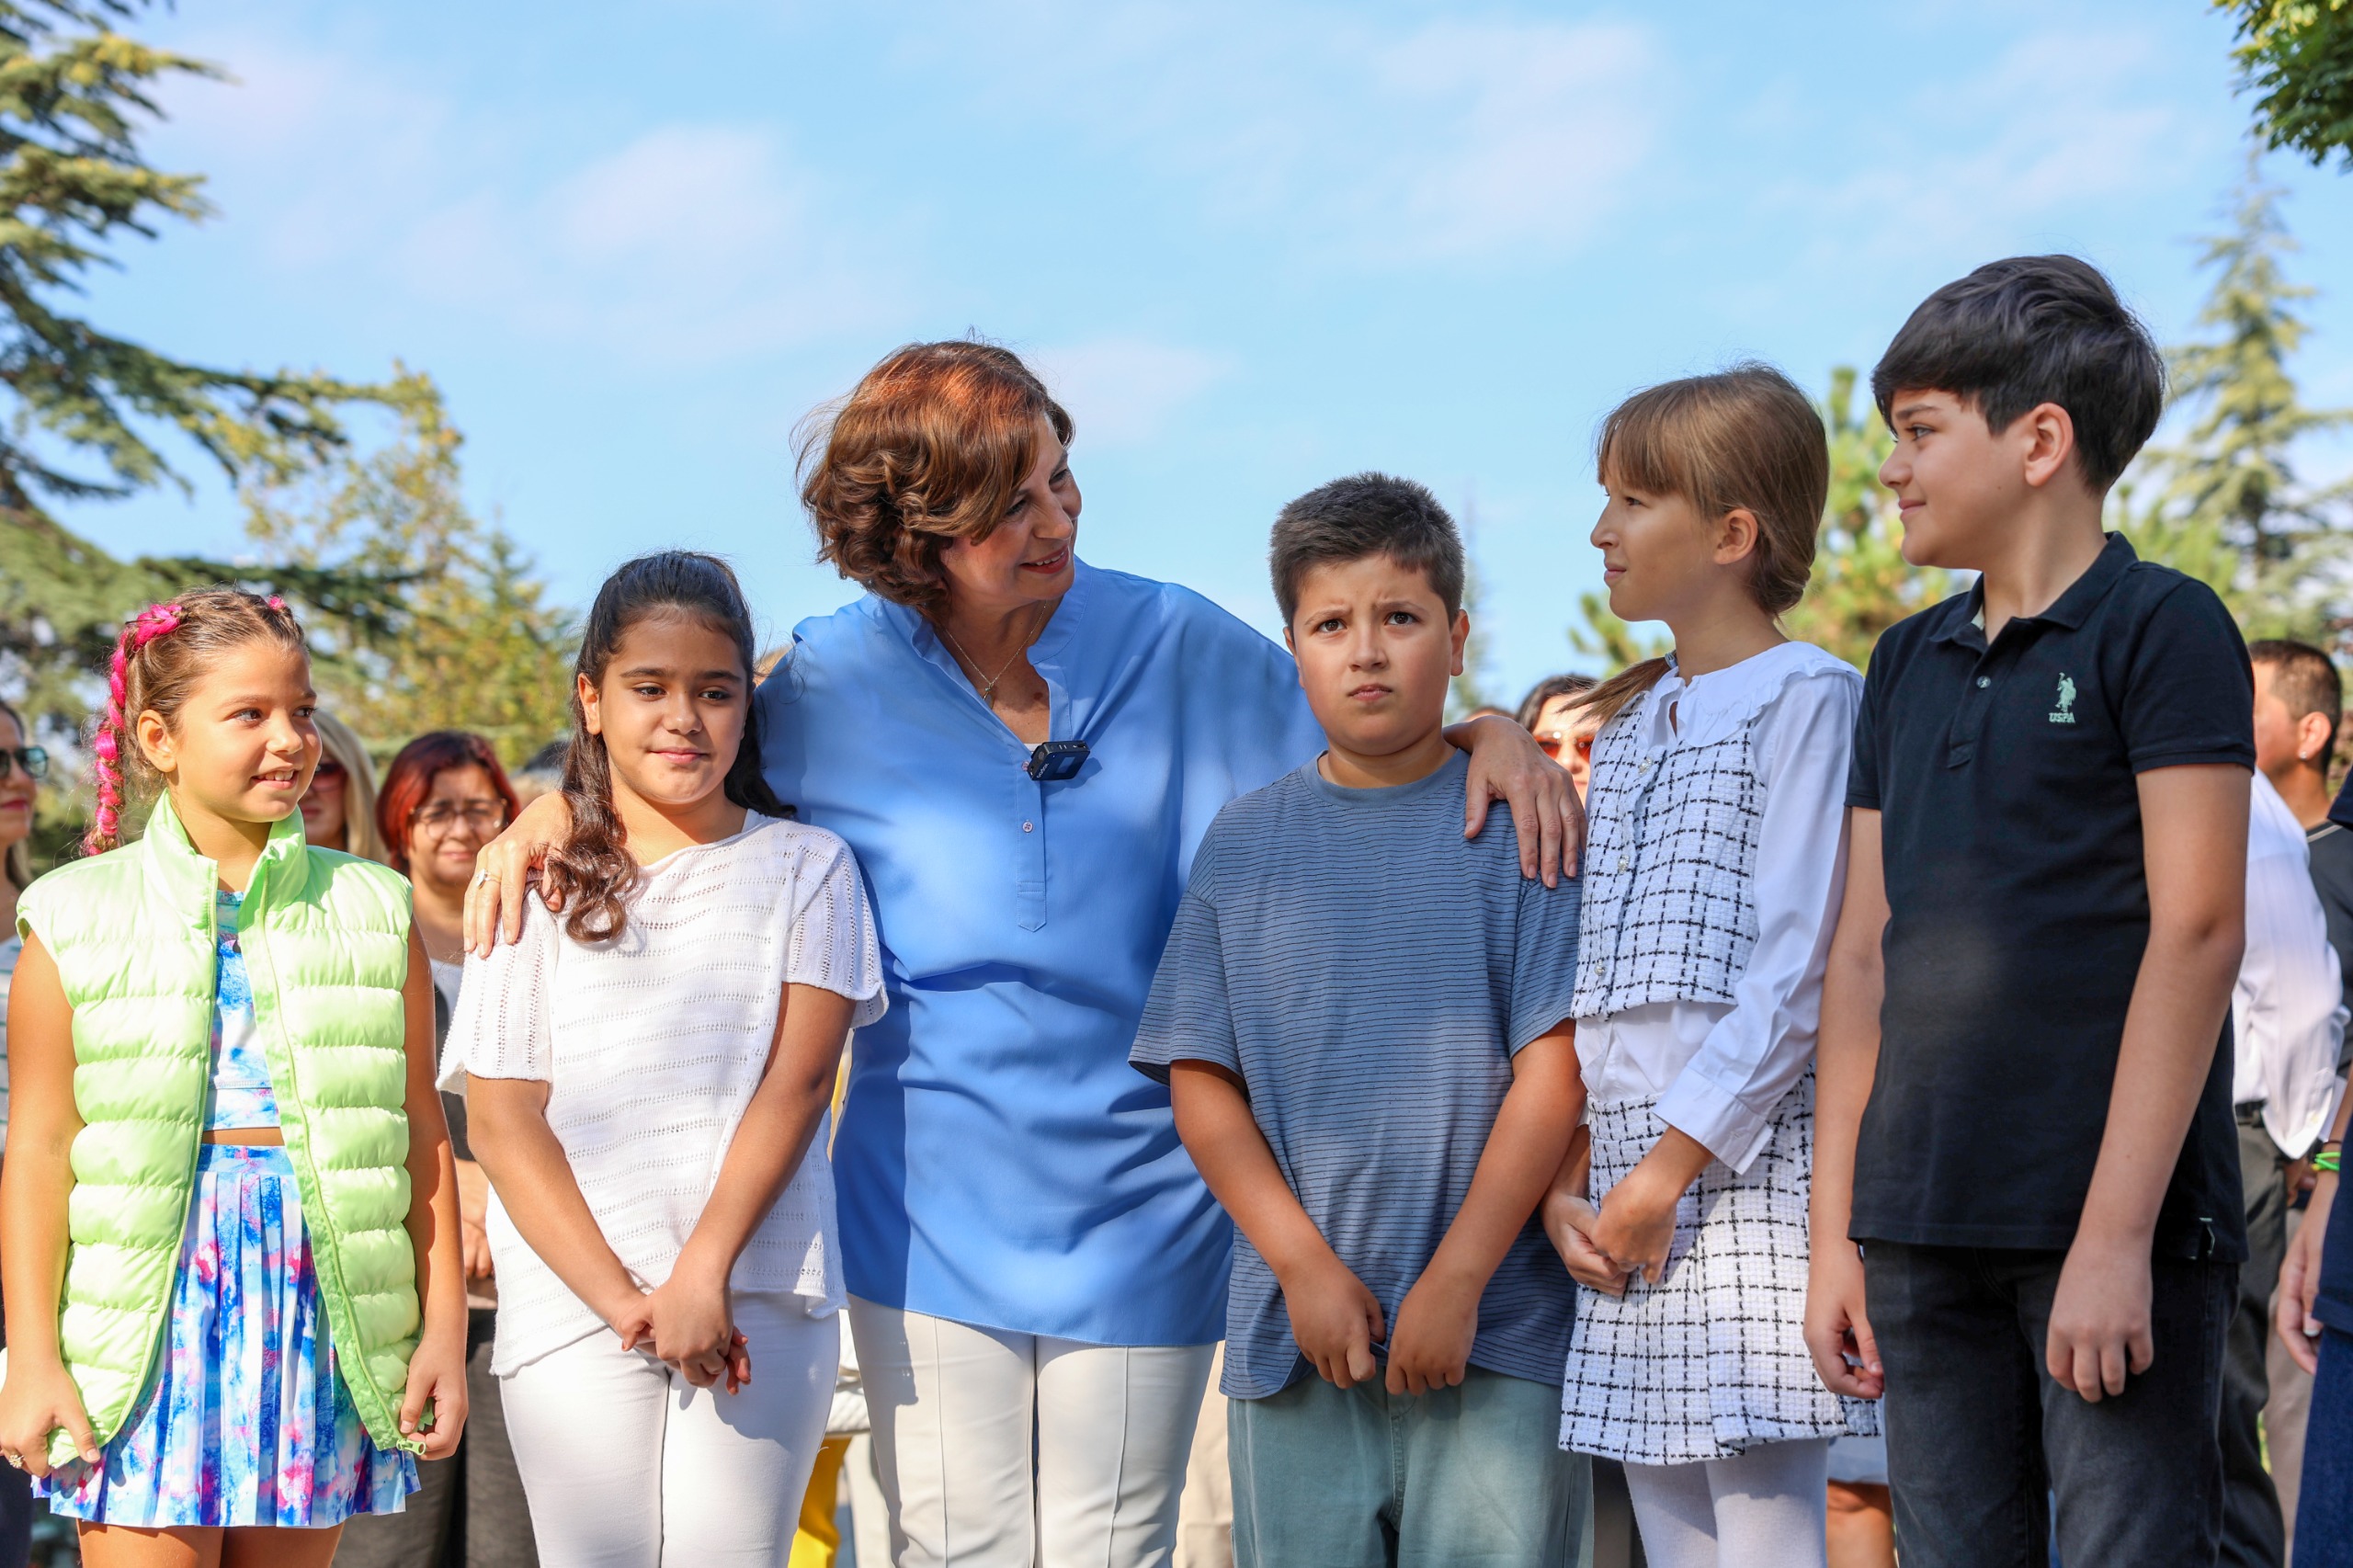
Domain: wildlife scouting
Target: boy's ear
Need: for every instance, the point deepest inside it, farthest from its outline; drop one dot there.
(2046, 438)
(1460, 637)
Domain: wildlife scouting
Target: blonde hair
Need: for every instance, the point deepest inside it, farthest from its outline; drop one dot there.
(337, 741)
(1744, 437)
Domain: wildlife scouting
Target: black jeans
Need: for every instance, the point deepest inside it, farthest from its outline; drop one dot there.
(2254, 1535)
(1978, 1434)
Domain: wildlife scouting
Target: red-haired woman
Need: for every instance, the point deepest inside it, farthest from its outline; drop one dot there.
(444, 797)
(1023, 750)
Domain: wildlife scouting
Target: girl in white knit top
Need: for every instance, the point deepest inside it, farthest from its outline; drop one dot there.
(648, 1076)
(1715, 853)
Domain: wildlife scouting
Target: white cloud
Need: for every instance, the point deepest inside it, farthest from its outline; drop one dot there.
(1124, 391)
(1456, 140)
(687, 242)
(2060, 124)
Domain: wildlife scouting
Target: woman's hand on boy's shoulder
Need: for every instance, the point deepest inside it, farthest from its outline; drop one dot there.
(1508, 765)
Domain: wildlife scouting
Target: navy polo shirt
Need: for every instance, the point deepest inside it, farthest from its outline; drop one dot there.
(2005, 777)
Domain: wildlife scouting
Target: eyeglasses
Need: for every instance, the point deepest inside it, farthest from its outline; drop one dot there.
(482, 816)
(32, 760)
(328, 772)
(1550, 741)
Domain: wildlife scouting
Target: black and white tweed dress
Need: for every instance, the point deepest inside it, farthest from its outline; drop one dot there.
(1711, 1360)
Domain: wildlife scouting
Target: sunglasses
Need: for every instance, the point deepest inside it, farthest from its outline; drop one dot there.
(32, 760)
(329, 771)
(1551, 741)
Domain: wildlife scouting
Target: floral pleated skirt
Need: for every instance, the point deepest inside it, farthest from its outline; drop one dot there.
(244, 1420)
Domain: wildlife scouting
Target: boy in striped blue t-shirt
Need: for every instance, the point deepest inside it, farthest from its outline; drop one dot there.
(1363, 1020)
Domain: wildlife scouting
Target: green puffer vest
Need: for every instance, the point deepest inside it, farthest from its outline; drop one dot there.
(325, 941)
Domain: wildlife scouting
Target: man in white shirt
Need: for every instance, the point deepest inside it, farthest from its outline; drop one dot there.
(2287, 1022)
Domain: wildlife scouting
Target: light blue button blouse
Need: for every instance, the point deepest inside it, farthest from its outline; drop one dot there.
(999, 1163)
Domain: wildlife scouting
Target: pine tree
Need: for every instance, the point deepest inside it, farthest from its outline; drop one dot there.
(80, 408)
(2297, 55)
(2232, 510)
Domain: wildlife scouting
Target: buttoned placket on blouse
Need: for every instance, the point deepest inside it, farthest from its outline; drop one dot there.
(1026, 795)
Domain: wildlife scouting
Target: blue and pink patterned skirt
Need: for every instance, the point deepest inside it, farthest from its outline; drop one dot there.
(244, 1421)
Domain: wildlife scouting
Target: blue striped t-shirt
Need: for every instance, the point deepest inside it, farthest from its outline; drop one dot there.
(1369, 973)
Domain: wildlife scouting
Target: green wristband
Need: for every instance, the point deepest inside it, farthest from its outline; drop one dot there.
(2326, 1160)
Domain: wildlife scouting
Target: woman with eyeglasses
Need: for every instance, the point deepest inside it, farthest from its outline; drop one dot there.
(444, 797)
(21, 769)
(339, 808)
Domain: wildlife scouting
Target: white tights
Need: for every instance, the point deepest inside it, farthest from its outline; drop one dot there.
(1765, 1509)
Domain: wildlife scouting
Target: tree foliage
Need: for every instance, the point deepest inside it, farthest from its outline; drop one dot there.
(478, 647)
(2296, 56)
(82, 411)
(2229, 506)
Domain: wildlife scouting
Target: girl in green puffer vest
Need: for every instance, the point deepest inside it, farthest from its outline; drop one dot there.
(235, 1309)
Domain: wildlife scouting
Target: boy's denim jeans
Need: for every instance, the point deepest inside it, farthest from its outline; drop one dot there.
(1978, 1433)
(1356, 1478)
(2324, 1505)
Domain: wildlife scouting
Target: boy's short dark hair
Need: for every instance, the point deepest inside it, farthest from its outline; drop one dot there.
(2305, 681)
(2029, 330)
(1366, 514)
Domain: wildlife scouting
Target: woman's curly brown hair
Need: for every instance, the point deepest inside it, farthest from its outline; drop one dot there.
(931, 447)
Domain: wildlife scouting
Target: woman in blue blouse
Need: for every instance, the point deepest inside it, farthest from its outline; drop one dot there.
(1023, 750)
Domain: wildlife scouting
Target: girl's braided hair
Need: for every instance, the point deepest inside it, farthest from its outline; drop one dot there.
(163, 651)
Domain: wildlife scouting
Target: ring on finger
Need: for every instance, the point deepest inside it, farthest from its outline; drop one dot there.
(484, 879)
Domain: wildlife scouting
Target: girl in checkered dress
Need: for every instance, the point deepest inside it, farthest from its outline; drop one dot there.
(1716, 851)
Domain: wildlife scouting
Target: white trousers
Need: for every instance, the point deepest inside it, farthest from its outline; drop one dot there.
(1769, 1508)
(960, 1411)
(627, 1465)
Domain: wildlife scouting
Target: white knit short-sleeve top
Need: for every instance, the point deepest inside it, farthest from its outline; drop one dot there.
(653, 1044)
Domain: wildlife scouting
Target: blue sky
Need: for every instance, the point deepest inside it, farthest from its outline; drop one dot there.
(1252, 245)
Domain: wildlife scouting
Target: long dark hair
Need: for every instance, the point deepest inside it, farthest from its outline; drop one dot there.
(593, 869)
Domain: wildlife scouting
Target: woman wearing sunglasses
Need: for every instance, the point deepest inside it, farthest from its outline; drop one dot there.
(21, 769)
(1563, 729)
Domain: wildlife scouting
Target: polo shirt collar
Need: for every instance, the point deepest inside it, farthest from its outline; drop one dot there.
(1966, 623)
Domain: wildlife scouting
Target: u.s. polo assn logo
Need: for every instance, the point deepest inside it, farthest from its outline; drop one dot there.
(2065, 712)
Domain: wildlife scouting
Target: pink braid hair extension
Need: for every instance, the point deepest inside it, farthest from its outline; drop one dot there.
(114, 728)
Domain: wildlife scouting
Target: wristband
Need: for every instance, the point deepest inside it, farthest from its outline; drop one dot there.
(2326, 1160)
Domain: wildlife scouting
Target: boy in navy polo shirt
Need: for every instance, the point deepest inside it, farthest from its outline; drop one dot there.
(2025, 1072)
(1363, 1019)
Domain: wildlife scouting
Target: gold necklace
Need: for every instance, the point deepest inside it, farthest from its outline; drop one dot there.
(987, 688)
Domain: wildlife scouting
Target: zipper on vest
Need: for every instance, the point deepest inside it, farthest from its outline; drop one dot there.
(326, 1254)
